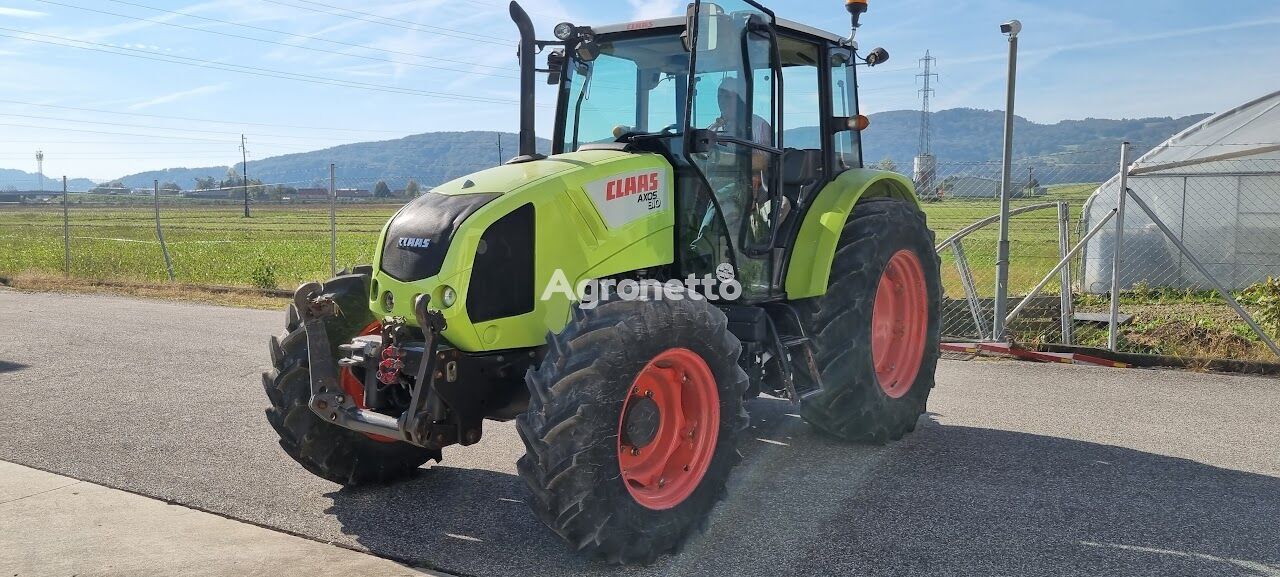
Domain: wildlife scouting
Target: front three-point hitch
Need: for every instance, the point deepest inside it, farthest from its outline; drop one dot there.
(425, 421)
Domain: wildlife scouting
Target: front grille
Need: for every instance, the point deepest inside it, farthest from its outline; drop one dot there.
(419, 235)
(502, 279)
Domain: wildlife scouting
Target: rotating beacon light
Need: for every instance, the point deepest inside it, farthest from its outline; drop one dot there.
(856, 9)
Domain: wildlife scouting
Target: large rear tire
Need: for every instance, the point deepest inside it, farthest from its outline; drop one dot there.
(875, 333)
(633, 424)
(329, 451)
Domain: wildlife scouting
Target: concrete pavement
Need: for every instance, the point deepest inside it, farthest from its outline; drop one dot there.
(56, 526)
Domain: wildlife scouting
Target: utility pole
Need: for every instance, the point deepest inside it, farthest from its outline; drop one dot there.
(40, 168)
(925, 168)
(244, 165)
(1031, 190)
(499, 149)
(66, 232)
(925, 147)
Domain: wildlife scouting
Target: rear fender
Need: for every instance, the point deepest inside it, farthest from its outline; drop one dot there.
(809, 267)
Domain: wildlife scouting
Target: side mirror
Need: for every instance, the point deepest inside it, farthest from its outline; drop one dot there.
(877, 56)
(555, 64)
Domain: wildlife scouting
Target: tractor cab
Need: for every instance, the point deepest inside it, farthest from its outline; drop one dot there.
(753, 112)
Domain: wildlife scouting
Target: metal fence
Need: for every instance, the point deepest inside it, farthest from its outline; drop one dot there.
(1198, 255)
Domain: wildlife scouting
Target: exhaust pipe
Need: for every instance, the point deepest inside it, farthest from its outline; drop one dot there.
(528, 69)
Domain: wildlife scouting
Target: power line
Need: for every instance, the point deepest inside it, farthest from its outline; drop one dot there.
(305, 37)
(128, 125)
(393, 22)
(190, 119)
(250, 70)
(297, 46)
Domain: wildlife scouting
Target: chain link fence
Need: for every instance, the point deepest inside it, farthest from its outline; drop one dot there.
(1198, 262)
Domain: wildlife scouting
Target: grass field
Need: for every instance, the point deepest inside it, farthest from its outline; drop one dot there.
(283, 245)
(280, 246)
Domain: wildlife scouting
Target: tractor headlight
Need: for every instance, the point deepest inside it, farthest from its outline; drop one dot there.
(564, 31)
(448, 296)
(388, 301)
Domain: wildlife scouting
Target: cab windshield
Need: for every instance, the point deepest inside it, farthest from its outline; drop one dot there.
(635, 86)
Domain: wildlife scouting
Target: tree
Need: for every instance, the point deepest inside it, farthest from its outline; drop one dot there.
(170, 187)
(887, 164)
(206, 183)
(412, 190)
(381, 190)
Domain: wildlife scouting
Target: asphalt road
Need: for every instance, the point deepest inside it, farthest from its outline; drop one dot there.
(1019, 469)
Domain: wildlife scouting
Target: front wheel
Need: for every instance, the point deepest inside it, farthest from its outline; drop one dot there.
(632, 428)
(875, 333)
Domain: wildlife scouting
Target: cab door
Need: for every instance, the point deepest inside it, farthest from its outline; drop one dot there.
(733, 139)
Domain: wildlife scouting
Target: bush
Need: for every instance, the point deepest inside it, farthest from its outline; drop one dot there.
(1264, 297)
(263, 275)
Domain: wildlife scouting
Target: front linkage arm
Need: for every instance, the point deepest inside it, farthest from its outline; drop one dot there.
(330, 401)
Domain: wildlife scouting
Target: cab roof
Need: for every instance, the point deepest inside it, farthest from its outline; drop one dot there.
(680, 21)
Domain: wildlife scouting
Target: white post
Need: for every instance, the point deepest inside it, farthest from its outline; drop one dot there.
(1064, 248)
(1113, 332)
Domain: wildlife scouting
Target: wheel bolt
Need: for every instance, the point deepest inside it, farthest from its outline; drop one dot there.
(648, 394)
(662, 482)
(686, 467)
(635, 451)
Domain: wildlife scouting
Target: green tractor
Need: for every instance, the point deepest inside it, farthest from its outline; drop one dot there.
(703, 232)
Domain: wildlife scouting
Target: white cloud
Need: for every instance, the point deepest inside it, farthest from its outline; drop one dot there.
(20, 13)
(175, 96)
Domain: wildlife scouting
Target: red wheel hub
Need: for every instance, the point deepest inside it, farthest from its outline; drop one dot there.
(355, 387)
(668, 429)
(899, 323)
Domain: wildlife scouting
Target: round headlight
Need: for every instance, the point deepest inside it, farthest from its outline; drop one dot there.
(388, 301)
(564, 31)
(448, 296)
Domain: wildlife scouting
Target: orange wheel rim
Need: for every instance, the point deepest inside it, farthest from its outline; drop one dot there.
(668, 429)
(899, 323)
(355, 387)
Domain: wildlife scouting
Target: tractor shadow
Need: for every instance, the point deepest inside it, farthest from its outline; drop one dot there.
(9, 367)
(947, 499)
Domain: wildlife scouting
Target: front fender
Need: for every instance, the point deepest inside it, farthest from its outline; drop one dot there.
(809, 267)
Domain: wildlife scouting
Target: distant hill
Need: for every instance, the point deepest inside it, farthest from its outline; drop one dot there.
(17, 179)
(1084, 150)
(960, 135)
(430, 159)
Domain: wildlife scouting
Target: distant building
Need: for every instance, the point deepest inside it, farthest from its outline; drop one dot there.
(979, 187)
(319, 193)
(207, 193)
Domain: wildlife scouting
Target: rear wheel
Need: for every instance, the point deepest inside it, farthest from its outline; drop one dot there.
(875, 333)
(329, 451)
(632, 427)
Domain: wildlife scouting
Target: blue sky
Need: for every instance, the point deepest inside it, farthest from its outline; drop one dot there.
(412, 66)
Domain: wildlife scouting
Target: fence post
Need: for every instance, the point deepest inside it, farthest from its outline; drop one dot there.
(66, 232)
(168, 264)
(970, 289)
(1113, 332)
(333, 222)
(1064, 247)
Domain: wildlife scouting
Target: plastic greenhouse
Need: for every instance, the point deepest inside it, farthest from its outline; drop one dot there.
(1216, 186)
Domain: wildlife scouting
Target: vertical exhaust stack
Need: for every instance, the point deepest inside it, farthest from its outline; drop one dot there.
(528, 69)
